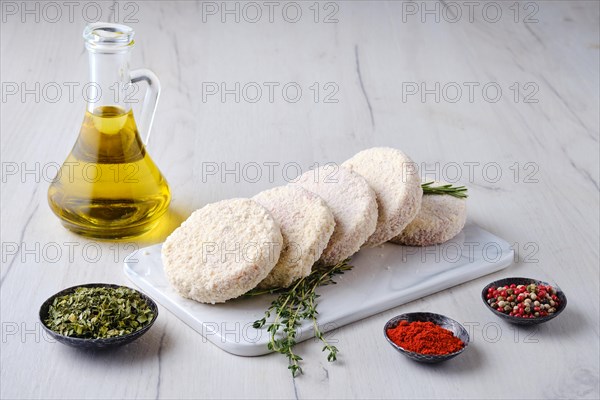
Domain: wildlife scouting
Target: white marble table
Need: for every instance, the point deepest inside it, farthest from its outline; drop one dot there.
(386, 73)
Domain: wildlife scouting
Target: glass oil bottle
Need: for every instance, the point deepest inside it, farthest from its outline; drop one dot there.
(109, 187)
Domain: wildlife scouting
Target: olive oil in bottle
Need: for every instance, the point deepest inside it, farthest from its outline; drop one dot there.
(109, 187)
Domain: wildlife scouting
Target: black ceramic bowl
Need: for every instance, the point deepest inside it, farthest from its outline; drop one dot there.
(96, 343)
(447, 323)
(524, 281)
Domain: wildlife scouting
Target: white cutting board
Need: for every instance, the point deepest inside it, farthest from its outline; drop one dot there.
(382, 278)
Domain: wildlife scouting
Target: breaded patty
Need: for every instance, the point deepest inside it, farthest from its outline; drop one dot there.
(222, 251)
(394, 178)
(440, 219)
(352, 203)
(306, 225)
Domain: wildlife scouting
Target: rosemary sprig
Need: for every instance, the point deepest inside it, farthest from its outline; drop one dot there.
(456, 191)
(291, 307)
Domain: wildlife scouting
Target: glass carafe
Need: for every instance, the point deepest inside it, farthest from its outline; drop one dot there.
(109, 187)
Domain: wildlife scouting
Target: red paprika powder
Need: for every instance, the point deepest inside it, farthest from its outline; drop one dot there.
(424, 338)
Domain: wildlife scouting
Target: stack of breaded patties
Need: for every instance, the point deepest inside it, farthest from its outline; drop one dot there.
(228, 248)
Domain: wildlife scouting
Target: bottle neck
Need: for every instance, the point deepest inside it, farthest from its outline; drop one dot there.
(110, 82)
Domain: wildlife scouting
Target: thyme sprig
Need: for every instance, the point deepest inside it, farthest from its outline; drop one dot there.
(456, 191)
(294, 305)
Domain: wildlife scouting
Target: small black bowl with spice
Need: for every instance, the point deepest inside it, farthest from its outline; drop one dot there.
(524, 301)
(98, 315)
(426, 337)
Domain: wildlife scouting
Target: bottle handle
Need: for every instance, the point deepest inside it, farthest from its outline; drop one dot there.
(150, 100)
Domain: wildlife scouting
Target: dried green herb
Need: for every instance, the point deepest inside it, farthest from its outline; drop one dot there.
(294, 304)
(456, 191)
(99, 312)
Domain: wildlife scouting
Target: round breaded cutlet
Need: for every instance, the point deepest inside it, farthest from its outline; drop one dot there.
(352, 203)
(222, 251)
(306, 225)
(395, 179)
(440, 219)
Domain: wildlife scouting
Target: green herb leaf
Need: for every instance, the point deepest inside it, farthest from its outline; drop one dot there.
(99, 312)
(456, 191)
(294, 304)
